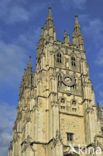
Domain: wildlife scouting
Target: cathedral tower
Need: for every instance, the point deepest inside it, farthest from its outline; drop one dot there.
(57, 102)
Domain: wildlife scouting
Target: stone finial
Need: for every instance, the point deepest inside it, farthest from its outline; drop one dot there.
(66, 37)
(77, 35)
(49, 11)
(42, 33)
(77, 25)
(49, 22)
(49, 14)
(76, 20)
(29, 64)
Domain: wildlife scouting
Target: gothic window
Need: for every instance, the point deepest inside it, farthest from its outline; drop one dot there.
(62, 107)
(59, 80)
(73, 62)
(74, 86)
(70, 136)
(62, 100)
(73, 102)
(59, 58)
(74, 109)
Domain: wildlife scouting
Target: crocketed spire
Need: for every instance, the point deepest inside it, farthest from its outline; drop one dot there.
(77, 35)
(66, 37)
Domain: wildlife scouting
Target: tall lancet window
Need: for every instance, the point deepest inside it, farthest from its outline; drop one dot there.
(59, 58)
(59, 80)
(73, 62)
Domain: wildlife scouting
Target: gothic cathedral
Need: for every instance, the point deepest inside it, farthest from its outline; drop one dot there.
(57, 114)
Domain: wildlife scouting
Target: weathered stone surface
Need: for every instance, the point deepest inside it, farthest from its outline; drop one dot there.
(48, 108)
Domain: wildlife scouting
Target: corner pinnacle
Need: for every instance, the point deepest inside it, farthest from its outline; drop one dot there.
(76, 19)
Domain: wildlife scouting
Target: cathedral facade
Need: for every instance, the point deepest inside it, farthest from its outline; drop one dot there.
(57, 114)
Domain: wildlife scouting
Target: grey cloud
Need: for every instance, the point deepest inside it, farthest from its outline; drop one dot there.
(14, 55)
(18, 14)
(29, 38)
(16, 11)
(80, 4)
(12, 61)
(2, 129)
(101, 93)
(5, 139)
(99, 60)
(7, 117)
(93, 30)
(4, 151)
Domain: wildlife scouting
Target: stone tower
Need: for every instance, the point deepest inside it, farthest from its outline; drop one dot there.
(57, 107)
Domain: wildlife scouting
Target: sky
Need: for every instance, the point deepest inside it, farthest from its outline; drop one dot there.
(20, 28)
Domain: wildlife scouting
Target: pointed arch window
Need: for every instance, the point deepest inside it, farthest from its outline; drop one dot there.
(73, 102)
(70, 136)
(59, 80)
(73, 61)
(59, 58)
(62, 100)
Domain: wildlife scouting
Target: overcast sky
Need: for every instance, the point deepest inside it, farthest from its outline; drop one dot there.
(20, 27)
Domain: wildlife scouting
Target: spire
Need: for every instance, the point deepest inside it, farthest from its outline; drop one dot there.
(41, 41)
(76, 20)
(77, 35)
(49, 12)
(50, 33)
(42, 32)
(49, 22)
(66, 37)
(49, 15)
(29, 64)
(76, 26)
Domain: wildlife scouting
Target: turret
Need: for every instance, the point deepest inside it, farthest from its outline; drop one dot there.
(26, 79)
(66, 38)
(77, 35)
(50, 33)
(29, 66)
(41, 41)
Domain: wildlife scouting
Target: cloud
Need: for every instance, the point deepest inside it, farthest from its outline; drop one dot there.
(101, 93)
(12, 62)
(94, 29)
(5, 139)
(80, 4)
(18, 14)
(30, 38)
(14, 55)
(7, 117)
(99, 60)
(19, 11)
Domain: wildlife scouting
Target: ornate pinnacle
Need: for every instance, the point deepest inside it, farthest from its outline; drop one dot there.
(76, 20)
(49, 11)
(42, 33)
(49, 22)
(66, 37)
(29, 64)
